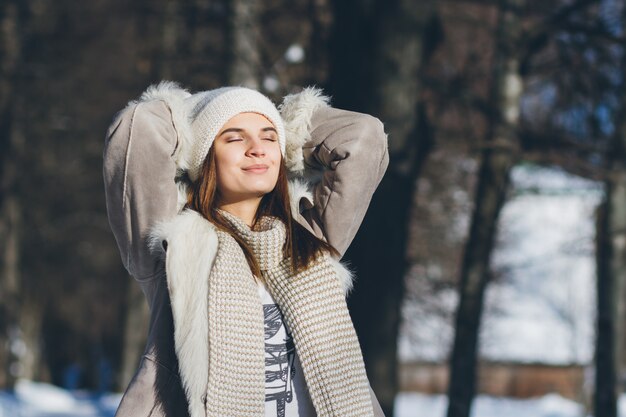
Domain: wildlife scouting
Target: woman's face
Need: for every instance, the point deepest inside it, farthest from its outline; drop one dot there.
(247, 158)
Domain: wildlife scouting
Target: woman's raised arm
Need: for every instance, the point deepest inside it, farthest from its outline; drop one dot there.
(352, 149)
(139, 171)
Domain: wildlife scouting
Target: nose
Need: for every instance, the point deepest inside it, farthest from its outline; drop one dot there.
(256, 147)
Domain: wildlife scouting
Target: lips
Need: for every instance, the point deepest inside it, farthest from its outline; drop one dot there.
(257, 168)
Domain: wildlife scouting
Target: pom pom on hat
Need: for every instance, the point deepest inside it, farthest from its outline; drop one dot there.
(208, 111)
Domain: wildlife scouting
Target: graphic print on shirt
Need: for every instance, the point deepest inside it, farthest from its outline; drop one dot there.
(279, 359)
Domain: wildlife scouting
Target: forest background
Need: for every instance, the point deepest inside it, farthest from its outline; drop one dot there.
(475, 88)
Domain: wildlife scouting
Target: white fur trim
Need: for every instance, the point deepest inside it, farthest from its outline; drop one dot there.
(181, 199)
(192, 246)
(296, 111)
(345, 275)
(169, 91)
(299, 189)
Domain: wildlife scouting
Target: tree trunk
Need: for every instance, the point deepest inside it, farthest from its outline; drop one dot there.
(610, 355)
(605, 399)
(9, 290)
(21, 303)
(377, 297)
(10, 53)
(384, 41)
(244, 58)
(497, 160)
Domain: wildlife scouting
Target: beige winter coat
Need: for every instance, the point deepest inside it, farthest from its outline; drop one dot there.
(347, 149)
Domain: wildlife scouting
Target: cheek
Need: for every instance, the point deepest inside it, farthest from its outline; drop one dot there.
(226, 161)
(276, 162)
(225, 166)
(277, 156)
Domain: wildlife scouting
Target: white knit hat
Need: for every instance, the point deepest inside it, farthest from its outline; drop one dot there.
(208, 111)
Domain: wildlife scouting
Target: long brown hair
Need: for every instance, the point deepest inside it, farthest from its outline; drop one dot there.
(301, 246)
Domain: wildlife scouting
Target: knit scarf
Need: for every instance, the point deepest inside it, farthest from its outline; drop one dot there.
(314, 307)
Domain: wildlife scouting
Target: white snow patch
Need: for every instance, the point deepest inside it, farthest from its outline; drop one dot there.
(44, 396)
(541, 305)
(417, 405)
(35, 399)
(38, 399)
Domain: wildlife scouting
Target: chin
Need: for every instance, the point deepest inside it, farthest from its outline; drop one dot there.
(255, 192)
(261, 189)
(261, 193)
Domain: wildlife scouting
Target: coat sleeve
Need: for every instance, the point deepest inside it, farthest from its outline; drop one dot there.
(139, 179)
(351, 148)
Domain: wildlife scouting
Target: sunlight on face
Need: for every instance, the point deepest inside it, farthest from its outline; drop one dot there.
(247, 158)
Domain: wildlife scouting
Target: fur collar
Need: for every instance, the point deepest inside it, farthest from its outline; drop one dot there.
(191, 248)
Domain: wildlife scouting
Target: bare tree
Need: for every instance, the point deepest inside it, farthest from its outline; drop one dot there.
(10, 213)
(608, 295)
(610, 356)
(377, 51)
(498, 158)
(243, 33)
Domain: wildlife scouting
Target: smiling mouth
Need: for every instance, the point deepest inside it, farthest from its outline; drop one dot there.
(256, 169)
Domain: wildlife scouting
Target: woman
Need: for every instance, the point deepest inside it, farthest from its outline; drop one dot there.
(239, 265)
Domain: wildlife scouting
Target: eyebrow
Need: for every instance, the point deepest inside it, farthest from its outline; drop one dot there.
(238, 130)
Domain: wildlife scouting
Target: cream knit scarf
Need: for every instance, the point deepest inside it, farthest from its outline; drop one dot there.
(315, 309)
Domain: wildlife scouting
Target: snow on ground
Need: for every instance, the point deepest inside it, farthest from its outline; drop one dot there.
(420, 405)
(35, 399)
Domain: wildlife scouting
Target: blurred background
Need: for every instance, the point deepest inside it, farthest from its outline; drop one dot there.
(492, 263)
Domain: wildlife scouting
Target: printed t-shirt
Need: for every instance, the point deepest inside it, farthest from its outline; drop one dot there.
(286, 393)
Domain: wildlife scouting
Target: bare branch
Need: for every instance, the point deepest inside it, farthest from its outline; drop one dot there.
(534, 39)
